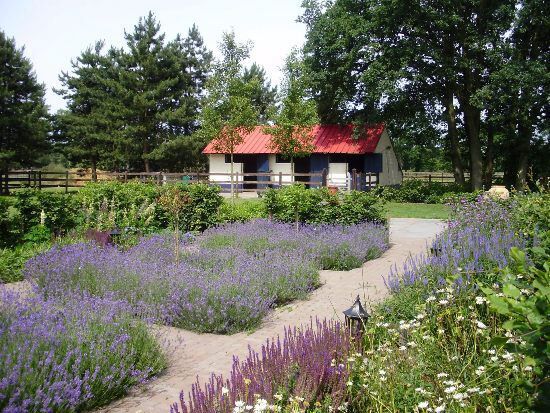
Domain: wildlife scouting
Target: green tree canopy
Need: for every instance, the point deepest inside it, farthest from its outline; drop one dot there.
(415, 64)
(292, 132)
(24, 123)
(228, 112)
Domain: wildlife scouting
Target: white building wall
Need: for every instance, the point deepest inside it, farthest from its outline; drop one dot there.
(217, 165)
(391, 173)
(275, 168)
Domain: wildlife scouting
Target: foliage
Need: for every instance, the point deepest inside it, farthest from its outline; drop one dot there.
(417, 191)
(227, 112)
(523, 298)
(243, 211)
(10, 225)
(71, 358)
(292, 131)
(134, 207)
(12, 260)
(264, 96)
(227, 279)
(531, 216)
(127, 107)
(60, 210)
(24, 120)
(202, 209)
(372, 61)
(295, 203)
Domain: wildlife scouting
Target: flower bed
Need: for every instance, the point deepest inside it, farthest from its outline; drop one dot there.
(226, 280)
(70, 358)
(453, 337)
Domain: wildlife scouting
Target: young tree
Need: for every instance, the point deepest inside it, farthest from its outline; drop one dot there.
(24, 123)
(292, 132)
(228, 113)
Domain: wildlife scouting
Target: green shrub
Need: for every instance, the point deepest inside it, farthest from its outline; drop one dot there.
(131, 206)
(416, 191)
(10, 224)
(134, 206)
(12, 260)
(202, 210)
(61, 211)
(295, 203)
(242, 211)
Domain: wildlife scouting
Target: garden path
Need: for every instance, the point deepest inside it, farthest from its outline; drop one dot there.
(201, 354)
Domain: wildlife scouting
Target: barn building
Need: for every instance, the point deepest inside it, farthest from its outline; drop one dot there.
(337, 149)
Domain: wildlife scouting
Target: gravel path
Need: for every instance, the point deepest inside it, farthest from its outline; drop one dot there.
(201, 354)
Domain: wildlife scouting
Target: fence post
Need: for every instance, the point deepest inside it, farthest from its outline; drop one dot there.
(40, 180)
(370, 180)
(430, 178)
(1, 183)
(354, 179)
(324, 177)
(28, 178)
(66, 182)
(280, 179)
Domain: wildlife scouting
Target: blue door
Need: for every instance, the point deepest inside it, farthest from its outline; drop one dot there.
(263, 166)
(318, 162)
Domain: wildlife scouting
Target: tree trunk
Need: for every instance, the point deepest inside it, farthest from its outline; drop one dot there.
(524, 141)
(292, 177)
(94, 170)
(232, 190)
(452, 134)
(147, 165)
(471, 120)
(489, 161)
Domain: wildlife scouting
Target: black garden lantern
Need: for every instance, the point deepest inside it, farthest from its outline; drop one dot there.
(356, 316)
(114, 234)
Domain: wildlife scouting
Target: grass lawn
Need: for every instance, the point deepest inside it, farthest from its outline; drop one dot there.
(394, 209)
(410, 210)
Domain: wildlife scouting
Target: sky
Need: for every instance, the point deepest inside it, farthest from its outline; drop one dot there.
(55, 31)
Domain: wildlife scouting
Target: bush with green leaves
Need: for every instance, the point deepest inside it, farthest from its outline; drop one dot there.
(12, 260)
(61, 210)
(296, 203)
(134, 206)
(417, 191)
(522, 297)
(242, 211)
(10, 225)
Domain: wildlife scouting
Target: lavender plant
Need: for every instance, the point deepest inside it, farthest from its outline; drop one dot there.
(304, 367)
(226, 280)
(73, 357)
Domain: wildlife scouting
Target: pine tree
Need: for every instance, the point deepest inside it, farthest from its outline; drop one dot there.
(264, 96)
(24, 123)
(91, 127)
(163, 83)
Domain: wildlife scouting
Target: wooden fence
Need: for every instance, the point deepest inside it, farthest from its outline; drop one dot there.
(444, 177)
(243, 182)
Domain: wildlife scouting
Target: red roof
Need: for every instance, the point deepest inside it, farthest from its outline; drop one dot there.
(328, 139)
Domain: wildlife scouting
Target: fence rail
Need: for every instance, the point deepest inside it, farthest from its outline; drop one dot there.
(253, 181)
(444, 177)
